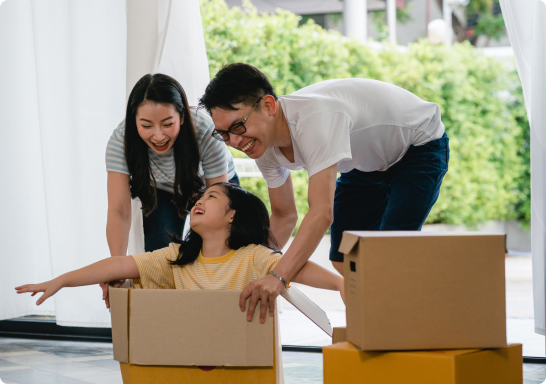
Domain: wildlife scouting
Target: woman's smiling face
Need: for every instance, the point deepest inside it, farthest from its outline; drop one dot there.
(212, 211)
(158, 125)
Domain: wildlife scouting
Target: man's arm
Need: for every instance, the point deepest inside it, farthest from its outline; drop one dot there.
(318, 219)
(320, 216)
(284, 215)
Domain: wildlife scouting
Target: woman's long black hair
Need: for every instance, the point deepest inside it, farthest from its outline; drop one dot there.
(162, 89)
(250, 226)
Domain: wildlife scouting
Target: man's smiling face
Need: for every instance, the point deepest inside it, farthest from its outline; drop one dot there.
(254, 141)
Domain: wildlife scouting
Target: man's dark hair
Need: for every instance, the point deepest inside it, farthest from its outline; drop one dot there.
(234, 84)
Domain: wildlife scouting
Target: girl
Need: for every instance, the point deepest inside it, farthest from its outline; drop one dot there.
(229, 244)
(160, 153)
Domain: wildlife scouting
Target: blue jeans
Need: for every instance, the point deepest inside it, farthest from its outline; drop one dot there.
(398, 199)
(165, 219)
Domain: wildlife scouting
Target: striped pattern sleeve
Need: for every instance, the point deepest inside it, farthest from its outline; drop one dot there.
(215, 156)
(265, 260)
(154, 268)
(115, 151)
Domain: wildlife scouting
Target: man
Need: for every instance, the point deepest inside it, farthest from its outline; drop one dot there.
(389, 146)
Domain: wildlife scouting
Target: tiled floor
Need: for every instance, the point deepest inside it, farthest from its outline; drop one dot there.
(24, 361)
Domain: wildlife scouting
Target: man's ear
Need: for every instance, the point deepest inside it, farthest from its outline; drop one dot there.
(269, 105)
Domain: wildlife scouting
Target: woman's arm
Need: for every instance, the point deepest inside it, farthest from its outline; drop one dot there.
(118, 222)
(119, 213)
(113, 268)
(316, 276)
(214, 180)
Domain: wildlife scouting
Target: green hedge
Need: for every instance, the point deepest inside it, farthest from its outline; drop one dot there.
(480, 99)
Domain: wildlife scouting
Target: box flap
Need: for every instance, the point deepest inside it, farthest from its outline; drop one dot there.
(203, 328)
(119, 300)
(338, 335)
(308, 308)
(372, 234)
(436, 354)
(348, 241)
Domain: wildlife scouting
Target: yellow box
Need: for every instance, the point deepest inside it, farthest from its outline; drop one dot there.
(142, 374)
(344, 363)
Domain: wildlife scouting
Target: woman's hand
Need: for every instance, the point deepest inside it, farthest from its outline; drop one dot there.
(49, 288)
(266, 291)
(104, 286)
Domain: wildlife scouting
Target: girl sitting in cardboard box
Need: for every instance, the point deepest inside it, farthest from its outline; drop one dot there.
(229, 245)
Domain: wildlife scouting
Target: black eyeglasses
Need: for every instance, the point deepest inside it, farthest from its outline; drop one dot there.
(237, 128)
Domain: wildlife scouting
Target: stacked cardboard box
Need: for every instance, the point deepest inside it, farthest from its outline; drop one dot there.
(440, 298)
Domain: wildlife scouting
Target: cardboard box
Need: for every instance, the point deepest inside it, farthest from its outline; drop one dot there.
(344, 363)
(173, 336)
(339, 335)
(415, 290)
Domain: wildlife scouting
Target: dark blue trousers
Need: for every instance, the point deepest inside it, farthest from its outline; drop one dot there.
(398, 199)
(165, 219)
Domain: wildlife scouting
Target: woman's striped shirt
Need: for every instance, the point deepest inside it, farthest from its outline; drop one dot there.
(232, 271)
(216, 160)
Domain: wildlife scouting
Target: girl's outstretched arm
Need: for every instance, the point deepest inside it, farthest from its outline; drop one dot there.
(113, 268)
(316, 276)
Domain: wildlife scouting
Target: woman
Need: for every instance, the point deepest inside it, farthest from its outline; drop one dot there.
(161, 153)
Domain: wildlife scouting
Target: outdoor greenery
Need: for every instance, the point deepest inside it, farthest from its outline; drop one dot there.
(403, 16)
(480, 99)
(487, 17)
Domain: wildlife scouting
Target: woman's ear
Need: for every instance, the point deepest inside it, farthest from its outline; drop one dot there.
(232, 215)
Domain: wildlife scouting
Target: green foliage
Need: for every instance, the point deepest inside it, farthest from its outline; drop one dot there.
(403, 16)
(479, 97)
(489, 23)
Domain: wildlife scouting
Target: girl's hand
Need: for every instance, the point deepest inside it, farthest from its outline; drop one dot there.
(49, 288)
(341, 289)
(104, 286)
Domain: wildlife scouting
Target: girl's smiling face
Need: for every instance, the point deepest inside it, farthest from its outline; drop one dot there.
(158, 125)
(212, 211)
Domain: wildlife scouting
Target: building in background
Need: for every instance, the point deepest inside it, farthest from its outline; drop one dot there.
(413, 17)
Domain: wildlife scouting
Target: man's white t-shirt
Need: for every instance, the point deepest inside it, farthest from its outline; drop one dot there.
(355, 123)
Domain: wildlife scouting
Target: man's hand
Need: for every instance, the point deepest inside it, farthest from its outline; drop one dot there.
(264, 290)
(104, 286)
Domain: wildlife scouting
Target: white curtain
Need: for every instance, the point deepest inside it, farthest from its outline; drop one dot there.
(526, 24)
(164, 36)
(63, 86)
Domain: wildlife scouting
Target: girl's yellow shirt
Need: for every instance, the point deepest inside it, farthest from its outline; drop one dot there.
(231, 271)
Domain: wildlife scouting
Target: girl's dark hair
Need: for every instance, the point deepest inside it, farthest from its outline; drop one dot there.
(233, 84)
(162, 89)
(250, 226)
